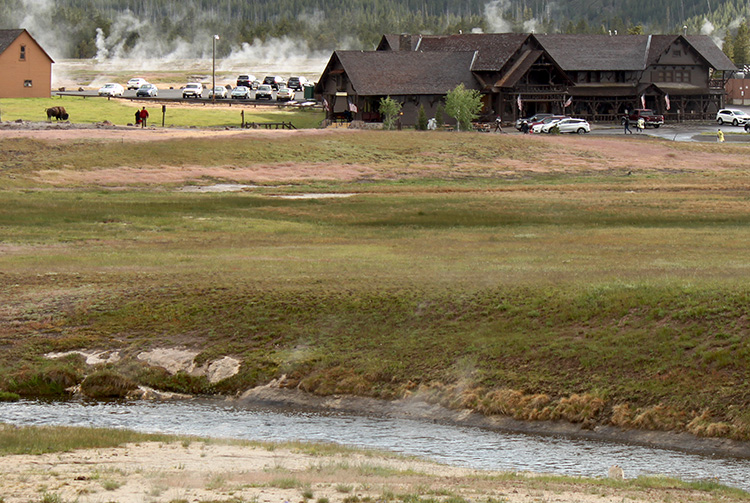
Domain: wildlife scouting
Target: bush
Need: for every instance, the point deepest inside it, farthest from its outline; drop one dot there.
(107, 384)
(6, 396)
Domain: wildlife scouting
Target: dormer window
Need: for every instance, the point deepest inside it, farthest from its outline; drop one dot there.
(22, 57)
(677, 53)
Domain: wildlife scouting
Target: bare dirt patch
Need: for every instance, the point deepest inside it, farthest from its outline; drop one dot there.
(195, 471)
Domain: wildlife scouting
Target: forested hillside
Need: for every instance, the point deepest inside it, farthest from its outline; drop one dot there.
(87, 28)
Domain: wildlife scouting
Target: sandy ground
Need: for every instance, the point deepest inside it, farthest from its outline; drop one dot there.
(196, 471)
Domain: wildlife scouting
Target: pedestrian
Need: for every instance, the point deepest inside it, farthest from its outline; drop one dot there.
(525, 127)
(720, 136)
(498, 124)
(144, 116)
(641, 124)
(137, 117)
(626, 123)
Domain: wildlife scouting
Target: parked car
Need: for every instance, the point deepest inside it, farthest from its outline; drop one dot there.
(192, 90)
(732, 116)
(284, 94)
(111, 89)
(274, 81)
(568, 125)
(264, 92)
(650, 118)
(147, 90)
(241, 93)
(245, 80)
(536, 127)
(136, 83)
(531, 120)
(296, 83)
(255, 84)
(218, 91)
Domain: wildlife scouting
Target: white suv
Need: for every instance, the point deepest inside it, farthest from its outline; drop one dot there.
(192, 90)
(732, 116)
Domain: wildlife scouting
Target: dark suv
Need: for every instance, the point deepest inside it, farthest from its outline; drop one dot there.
(245, 80)
(274, 82)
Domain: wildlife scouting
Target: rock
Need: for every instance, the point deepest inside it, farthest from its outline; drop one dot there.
(616, 473)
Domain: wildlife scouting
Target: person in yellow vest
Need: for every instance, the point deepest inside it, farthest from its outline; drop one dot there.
(720, 136)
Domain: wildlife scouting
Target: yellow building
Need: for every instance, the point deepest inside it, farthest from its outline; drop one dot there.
(25, 68)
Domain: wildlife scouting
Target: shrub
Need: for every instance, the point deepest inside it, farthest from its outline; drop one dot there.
(6, 396)
(107, 384)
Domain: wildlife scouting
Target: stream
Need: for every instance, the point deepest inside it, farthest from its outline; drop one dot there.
(455, 445)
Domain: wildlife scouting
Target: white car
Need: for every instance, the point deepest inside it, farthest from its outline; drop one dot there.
(568, 125)
(136, 83)
(111, 89)
(536, 127)
(192, 90)
(218, 91)
(241, 93)
(284, 94)
(732, 116)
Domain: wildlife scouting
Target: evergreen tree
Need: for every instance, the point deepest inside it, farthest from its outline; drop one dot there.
(440, 114)
(421, 119)
(741, 47)
(728, 45)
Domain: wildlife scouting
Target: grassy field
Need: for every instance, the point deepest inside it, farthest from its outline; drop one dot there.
(121, 112)
(540, 278)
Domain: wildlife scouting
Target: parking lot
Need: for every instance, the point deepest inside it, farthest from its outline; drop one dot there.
(176, 95)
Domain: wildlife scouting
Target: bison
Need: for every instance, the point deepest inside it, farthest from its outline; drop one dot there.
(58, 113)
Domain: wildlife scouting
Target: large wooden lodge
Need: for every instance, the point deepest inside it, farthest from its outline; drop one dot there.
(593, 76)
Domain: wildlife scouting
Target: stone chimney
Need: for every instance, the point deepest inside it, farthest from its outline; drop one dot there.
(404, 42)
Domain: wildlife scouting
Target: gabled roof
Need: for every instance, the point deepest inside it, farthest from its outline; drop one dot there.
(8, 36)
(382, 73)
(597, 52)
(709, 50)
(625, 52)
(494, 49)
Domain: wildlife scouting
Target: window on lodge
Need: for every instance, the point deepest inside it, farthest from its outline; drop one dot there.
(22, 57)
(27, 83)
(673, 76)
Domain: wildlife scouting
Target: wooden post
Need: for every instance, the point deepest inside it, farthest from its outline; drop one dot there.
(163, 114)
(242, 113)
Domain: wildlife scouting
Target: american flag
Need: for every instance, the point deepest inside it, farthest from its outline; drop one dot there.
(352, 107)
(519, 103)
(666, 101)
(568, 102)
(325, 104)
(643, 101)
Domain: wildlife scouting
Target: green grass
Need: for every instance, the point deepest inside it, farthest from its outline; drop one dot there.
(121, 112)
(558, 294)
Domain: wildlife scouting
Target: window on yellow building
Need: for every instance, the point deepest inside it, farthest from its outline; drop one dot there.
(23, 53)
(27, 83)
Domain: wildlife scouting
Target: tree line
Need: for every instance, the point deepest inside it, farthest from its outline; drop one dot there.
(320, 25)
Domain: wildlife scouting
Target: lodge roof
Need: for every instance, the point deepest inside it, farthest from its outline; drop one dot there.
(382, 73)
(494, 49)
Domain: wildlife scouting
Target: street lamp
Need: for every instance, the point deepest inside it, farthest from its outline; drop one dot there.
(213, 68)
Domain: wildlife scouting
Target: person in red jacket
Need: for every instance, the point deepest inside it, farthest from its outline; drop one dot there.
(144, 116)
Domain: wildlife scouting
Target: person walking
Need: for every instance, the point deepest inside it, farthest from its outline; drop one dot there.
(720, 136)
(144, 116)
(137, 118)
(498, 124)
(641, 124)
(626, 123)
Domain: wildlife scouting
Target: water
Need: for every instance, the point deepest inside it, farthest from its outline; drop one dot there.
(450, 444)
